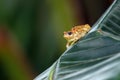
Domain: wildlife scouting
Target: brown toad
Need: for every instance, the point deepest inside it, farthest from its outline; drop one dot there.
(75, 34)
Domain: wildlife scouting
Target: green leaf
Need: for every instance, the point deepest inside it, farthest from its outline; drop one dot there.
(96, 56)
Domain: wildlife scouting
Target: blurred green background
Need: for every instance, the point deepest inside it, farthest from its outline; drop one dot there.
(31, 32)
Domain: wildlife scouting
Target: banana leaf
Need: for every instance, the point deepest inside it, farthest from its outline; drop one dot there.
(94, 57)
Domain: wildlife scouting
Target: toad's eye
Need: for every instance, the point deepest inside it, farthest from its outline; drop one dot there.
(69, 33)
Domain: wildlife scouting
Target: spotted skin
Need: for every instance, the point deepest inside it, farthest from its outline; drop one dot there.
(75, 34)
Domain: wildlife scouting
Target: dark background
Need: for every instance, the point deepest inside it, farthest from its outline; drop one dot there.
(31, 32)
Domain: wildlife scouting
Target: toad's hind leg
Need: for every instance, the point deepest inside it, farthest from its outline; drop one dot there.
(70, 43)
(73, 42)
